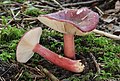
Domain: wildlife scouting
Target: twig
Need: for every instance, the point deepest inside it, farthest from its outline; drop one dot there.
(30, 19)
(45, 7)
(58, 4)
(2, 79)
(106, 34)
(96, 64)
(20, 75)
(100, 11)
(48, 3)
(25, 19)
(13, 18)
(2, 13)
(39, 71)
(80, 3)
(26, 15)
(16, 9)
(50, 75)
(18, 72)
(12, 13)
(7, 70)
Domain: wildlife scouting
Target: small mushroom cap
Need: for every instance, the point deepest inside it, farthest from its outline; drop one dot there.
(71, 21)
(27, 43)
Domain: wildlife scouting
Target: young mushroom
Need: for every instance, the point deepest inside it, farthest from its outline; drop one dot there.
(29, 44)
(71, 22)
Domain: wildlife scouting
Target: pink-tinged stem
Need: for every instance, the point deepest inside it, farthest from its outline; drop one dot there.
(69, 48)
(66, 63)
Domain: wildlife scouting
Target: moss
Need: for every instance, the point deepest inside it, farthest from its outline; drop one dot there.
(9, 38)
(32, 11)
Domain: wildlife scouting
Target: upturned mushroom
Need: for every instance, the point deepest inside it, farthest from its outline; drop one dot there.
(29, 44)
(71, 22)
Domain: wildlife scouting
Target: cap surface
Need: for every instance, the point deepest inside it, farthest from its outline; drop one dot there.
(71, 21)
(27, 43)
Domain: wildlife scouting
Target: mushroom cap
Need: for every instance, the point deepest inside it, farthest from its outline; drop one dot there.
(71, 21)
(27, 43)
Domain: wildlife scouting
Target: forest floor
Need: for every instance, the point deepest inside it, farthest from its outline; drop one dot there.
(100, 53)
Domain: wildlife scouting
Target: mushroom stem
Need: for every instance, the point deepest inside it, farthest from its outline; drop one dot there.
(66, 63)
(69, 48)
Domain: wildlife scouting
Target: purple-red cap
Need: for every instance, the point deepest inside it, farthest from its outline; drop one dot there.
(71, 21)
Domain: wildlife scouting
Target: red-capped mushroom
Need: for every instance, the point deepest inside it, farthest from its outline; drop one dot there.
(29, 44)
(71, 22)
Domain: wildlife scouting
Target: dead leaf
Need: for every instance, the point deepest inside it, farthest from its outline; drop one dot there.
(110, 27)
(107, 18)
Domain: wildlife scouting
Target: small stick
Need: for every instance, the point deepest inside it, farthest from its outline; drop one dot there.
(1, 78)
(25, 19)
(20, 75)
(12, 13)
(50, 75)
(7, 70)
(106, 34)
(47, 7)
(80, 3)
(13, 17)
(101, 12)
(96, 64)
(39, 71)
(30, 19)
(48, 3)
(58, 4)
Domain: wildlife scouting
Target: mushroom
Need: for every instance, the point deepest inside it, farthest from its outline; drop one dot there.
(29, 44)
(71, 22)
